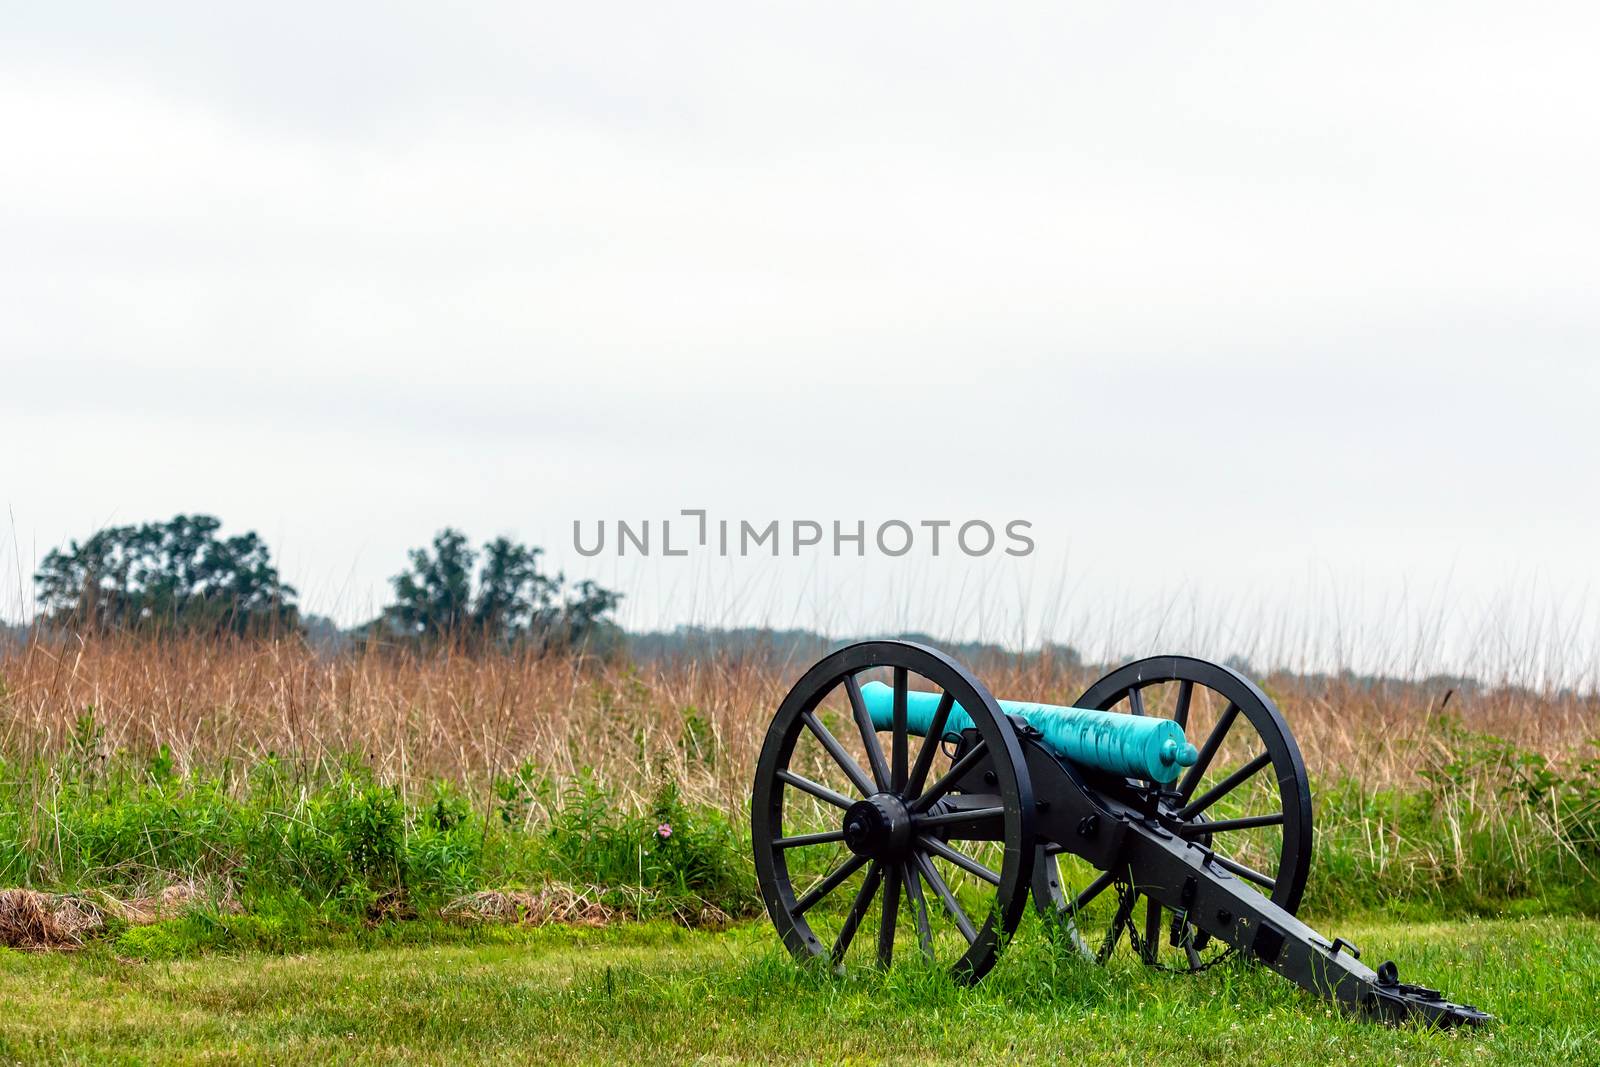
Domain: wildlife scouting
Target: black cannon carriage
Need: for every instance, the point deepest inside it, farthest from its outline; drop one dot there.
(1117, 827)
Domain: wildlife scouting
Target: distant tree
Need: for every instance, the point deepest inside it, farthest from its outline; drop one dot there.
(583, 617)
(435, 595)
(514, 598)
(511, 601)
(177, 575)
(325, 635)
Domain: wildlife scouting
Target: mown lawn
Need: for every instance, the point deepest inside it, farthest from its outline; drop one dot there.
(655, 994)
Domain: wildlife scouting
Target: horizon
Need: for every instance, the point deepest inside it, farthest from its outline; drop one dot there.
(1550, 658)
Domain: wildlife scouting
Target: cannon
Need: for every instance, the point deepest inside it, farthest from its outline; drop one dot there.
(920, 801)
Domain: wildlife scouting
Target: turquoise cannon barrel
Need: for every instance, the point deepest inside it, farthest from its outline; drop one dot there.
(1137, 746)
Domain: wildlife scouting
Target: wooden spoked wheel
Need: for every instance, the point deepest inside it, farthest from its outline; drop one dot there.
(1247, 799)
(859, 826)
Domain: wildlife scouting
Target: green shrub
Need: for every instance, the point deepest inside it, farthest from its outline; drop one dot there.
(348, 846)
(679, 852)
(1493, 829)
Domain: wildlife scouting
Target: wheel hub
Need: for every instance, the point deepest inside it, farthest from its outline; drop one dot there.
(878, 827)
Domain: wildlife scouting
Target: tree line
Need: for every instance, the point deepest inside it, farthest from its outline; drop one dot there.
(182, 576)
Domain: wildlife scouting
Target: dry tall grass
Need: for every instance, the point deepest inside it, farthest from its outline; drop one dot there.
(415, 718)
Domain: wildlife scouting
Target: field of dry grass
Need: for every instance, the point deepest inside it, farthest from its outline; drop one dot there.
(301, 789)
(699, 724)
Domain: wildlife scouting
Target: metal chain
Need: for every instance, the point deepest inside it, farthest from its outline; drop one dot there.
(1127, 896)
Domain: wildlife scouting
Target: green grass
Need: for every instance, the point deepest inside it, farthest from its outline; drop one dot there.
(296, 950)
(656, 993)
(305, 847)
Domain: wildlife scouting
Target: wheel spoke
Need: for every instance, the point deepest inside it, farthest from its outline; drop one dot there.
(930, 746)
(924, 822)
(919, 910)
(821, 792)
(960, 859)
(1224, 787)
(891, 916)
(1124, 910)
(1202, 829)
(828, 884)
(1136, 702)
(863, 901)
(1092, 890)
(1152, 929)
(933, 878)
(898, 739)
(1207, 751)
(869, 736)
(1248, 873)
(802, 840)
(1180, 711)
(957, 770)
(851, 768)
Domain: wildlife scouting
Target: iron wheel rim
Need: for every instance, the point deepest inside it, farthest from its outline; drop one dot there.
(790, 911)
(1241, 699)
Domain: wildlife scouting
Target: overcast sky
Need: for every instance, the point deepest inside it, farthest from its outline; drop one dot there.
(1278, 322)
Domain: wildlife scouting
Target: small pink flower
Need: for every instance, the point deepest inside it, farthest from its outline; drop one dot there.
(664, 831)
